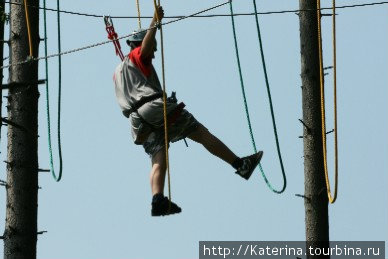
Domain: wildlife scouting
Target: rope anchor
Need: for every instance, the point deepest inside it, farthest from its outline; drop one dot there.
(112, 35)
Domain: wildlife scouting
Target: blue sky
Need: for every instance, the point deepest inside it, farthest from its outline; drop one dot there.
(101, 208)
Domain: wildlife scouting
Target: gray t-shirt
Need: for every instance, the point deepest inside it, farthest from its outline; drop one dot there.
(131, 85)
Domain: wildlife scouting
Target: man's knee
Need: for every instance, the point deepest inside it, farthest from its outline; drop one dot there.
(159, 161)
(159, 167)
(200, 134)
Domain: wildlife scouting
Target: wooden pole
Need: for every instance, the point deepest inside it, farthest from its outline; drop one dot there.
(20, 236)
(2, 24)
(316, 201)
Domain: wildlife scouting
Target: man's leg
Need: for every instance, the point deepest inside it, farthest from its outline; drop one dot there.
(244, 166)
(213, 144)
(160, 204)
(158, 172)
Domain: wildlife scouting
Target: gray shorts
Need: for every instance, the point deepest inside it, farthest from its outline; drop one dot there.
(180, 129)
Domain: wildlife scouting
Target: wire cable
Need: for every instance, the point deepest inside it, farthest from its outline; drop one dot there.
(176, 19)
(205, 16)
(109, 41)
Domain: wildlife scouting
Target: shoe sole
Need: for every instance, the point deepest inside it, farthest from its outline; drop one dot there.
(260, 155)
(172, 211)
(162, 214)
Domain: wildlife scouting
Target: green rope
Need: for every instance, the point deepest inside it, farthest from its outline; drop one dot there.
(241, 78)
(271, 106)
(245, 101)
(57, 178)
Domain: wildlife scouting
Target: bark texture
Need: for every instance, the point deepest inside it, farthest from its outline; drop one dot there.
(22, 162)
(316, 201)
(2, 23)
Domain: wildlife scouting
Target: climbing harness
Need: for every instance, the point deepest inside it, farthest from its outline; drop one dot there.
(112, 35)
(57, 178)
(246, 103)
(140, 103)
(331, 197)
(164, 104)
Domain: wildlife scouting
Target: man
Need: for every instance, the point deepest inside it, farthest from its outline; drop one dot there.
(140, 97)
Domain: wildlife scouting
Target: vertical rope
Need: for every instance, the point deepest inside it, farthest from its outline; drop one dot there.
(271, 107)
(323, 117)
(335, 104)
(241, 77)
(59, 177)
(28, 28)
(59, 92)
(246, 103)
(138, 13)
(164, 106)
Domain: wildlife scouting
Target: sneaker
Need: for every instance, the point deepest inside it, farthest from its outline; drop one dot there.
(249, 165)
(160, 208)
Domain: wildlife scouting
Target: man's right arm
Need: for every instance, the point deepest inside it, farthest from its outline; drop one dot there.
(147, 46)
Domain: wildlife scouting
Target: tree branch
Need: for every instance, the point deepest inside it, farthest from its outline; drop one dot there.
(16, 84)
(303, 196)
(304, 124)
(3, 183)
(14, 124)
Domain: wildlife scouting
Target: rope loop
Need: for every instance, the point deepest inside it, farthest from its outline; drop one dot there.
(332, 198)
(271, 108)
(59, 177)
(246, 103)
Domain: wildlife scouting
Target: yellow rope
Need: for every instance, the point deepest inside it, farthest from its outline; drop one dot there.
(28, 27)
(138, 13)
(334, 197)
(164, 105)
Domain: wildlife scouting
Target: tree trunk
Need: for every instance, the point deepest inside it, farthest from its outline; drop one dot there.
(316, 201)
(20, 236)
(2, 24)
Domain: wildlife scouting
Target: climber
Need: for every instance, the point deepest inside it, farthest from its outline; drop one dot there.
(140, 97)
